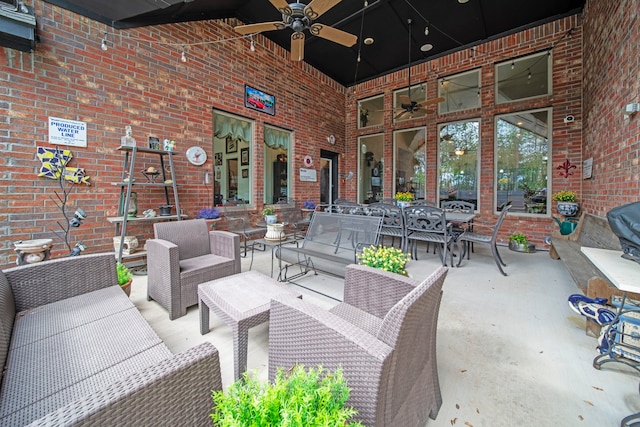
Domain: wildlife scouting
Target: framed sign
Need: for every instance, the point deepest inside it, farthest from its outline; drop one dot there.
(232, 145)
(244, 156)
(258, 100)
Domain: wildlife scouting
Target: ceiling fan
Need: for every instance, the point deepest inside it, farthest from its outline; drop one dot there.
(407, 106)
(300, 17)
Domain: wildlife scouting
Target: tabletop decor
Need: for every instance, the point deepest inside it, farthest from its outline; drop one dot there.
(270, 216)
(567, 204)
(387, 259)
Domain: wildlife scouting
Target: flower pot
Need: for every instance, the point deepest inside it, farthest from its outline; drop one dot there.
(127, 287)
(275, 232)
(522, 247)
(403, 205)
(271, 219)
(568, 208)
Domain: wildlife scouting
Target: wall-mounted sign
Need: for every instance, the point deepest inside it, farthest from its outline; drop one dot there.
(587, 168)
(67, 132)
(258, 100)
(308, 175)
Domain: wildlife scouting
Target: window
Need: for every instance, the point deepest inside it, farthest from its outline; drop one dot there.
(460, 92)
(232, 147)
(523, 78)
(371, 165)
(371, 111)
(405, 103)
(410, 161)
(458, 150)
(276, 164)
(522, 169)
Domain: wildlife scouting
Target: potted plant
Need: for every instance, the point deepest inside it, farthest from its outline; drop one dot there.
(518, 242)
(124, 278)
(387, 259)
(308, 207)
(270, 216)
(208, 213)
(567, 202)
(403, 198)
(314, 397)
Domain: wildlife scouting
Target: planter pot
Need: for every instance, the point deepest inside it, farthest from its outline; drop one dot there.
(271, 219)
(306, 213)
(568, 208)
(275, 232)
(519, 247)
(403, 205)
(127, 287)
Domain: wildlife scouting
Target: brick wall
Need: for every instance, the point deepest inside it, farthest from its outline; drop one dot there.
(141, 81)
(611, 81)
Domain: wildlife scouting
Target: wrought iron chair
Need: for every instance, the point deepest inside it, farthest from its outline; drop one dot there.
(487, 239)
(427, 224)
(239, 222)
(459, 206)
(392, 221)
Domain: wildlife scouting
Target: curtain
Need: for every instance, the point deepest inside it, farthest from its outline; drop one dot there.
(274, 138)
(225, 126)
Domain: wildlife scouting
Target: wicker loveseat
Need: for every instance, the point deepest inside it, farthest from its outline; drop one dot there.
(75, 350)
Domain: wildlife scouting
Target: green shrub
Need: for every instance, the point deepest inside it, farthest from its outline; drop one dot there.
(299, 397)
(124, 275)
(518, 238)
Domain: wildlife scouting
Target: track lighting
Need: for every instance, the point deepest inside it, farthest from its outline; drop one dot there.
(104, 45)
(183, 57)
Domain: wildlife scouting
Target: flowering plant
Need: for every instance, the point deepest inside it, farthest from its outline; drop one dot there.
(403, 196)
(564, 196)
(309, 204)
(208, 213)
(387, 259)
(268, 210)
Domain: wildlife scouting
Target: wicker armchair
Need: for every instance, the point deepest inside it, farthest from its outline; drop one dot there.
(183, 255)
(383, 336)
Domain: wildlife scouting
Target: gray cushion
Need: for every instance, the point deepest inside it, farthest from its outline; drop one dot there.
(7, 316)
(191, 236)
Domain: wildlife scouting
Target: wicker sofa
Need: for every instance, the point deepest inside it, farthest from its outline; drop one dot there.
(75, 350)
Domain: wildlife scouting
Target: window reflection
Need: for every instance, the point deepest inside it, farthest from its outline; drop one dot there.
(523, 78)
(232, 143)
(371, 168)
(458, 155)
(522, 147)
(276, 161)
(460, 92)
(410, 162)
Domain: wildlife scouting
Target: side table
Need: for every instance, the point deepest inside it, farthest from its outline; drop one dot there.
(242, 301)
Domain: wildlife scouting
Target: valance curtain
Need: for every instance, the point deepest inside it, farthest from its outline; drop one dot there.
(275, 138)
(225, 126)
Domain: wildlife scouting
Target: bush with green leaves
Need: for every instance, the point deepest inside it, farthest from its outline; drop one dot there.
(124, 275)
(299, 397)
(519, 238)
(387, 259)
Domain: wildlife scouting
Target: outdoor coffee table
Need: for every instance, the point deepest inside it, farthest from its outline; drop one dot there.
(241, 301)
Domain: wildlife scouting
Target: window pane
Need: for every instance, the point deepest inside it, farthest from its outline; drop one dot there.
(460, 92)
(276, 169)
(458, 150)
(523, 78)
(405, 103)
(371, 111)
(410, 161)
(371, 168)
(232, 137)
(522, 147)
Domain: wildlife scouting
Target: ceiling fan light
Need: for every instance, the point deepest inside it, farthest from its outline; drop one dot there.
(368, 41)
(462, 1)
(426, 47)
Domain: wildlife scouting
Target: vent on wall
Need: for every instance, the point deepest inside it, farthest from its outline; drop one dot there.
(17, 29)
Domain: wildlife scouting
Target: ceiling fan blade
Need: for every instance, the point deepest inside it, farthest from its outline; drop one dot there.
(297, 46)
(405, 100)
(282, 6)
(317, 7)
(400, 115)
(333, 34)
(258, 28)
(431, 101)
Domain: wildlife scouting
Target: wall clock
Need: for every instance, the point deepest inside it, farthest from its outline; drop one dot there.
(196, 155)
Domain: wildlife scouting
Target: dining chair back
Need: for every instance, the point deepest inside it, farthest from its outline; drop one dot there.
(427, 224)
(392, 221)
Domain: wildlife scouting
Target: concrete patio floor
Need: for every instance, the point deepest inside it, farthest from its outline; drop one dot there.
(510, 350)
